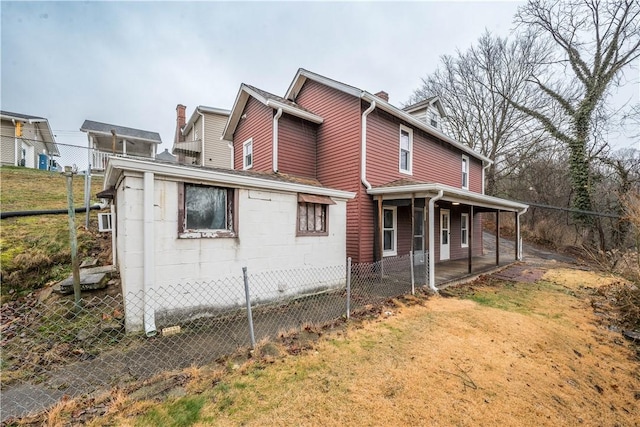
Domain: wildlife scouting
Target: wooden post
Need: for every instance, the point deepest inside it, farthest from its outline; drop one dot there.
(380, 229)
(517, 240)
(413, 222)
(470, 238)
(498, 237)
(72, 237)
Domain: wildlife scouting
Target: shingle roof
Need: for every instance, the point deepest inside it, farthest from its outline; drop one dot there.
(122, 131)
(419, 104)
(400, 183)
(269, 95)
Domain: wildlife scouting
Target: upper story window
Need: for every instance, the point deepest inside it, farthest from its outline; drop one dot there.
(206, 211)
(247, 154)
(433, 119)
(465, 172)
(406, 149)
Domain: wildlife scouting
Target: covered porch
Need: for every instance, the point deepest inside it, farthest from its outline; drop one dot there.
(441, 228)
(106, 140)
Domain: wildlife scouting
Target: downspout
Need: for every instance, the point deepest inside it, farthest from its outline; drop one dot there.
(148, 268)
(519, 239)
(432, 244)
(202, 153)
(363, 155)
(484, 168)
(230, 145)
(275, 139)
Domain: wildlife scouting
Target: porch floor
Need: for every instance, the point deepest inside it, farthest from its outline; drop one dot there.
(446, 271)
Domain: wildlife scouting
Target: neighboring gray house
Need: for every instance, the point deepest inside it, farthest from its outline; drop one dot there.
(27, 141)
(199, 141)
(112, 140)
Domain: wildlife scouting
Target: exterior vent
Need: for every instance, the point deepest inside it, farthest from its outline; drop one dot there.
(104, 222)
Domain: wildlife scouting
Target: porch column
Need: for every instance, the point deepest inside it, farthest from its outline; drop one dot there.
(413, 227)
(425, 239)
(517, 242)
(380, 231)
(470, 238)
(498, 237)
(124, 147)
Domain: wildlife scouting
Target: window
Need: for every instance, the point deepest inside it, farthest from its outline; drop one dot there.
(465, 172)
(464, 230)
(406, 146)
(433, 119)
(312, 215)
(389, 231)
(104, 222)
(247, 154)
(206, 211)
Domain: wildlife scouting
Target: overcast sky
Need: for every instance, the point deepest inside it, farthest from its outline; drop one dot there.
(130, 64)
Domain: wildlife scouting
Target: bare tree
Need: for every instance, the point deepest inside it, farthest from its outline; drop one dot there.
(469, 85)
(594, 40)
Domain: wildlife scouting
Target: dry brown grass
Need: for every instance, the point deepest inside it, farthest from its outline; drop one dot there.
(540, 359)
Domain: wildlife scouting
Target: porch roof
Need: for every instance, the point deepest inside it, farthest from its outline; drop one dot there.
(403, 189)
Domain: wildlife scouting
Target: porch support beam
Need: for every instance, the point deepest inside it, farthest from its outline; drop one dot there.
(432, 261)
(470, 238)
(498, 237)
(380, 231)
(517, 242)
(413, 219)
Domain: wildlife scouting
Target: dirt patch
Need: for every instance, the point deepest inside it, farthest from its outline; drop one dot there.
(521, 273)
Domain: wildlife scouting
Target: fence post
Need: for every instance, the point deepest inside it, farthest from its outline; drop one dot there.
(413, 280)
(73, 240)
(348, 287)
(249, 315)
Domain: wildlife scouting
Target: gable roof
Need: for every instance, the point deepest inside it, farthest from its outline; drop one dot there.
(433, 101)
(41, 123)
(268, 99)
(100, 128)
(303, 75)
(203, 109)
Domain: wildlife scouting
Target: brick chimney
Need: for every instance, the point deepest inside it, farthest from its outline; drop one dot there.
(382, 94)
(181, 120)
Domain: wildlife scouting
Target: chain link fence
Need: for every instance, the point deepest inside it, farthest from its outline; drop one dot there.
(52, 348)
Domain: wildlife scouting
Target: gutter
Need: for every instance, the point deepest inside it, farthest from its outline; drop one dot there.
(230, 145)
(363, 145)
(432, 244)
(148, 256)
(275, 139)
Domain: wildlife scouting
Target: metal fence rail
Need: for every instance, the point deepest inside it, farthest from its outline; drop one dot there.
(51, 349)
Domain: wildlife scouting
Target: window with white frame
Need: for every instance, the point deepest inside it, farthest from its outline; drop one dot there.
(206, 211)
(406, 149)
(464, 230)
(247, 154)
(433, 119)
(389, 231)
(465, 172)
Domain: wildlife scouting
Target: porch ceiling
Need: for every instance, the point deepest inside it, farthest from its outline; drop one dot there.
(451, 194)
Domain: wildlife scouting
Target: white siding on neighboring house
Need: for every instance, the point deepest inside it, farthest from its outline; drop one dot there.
(217, 152)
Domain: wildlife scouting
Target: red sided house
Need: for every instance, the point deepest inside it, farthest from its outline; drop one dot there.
(416, 188)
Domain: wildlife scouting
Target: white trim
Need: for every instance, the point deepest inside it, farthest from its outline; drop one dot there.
(247, 143)
(363, 146)
(448, 229)
(394, 251)
(241, 101)
(409, 131)
(464, 225)
(465, 172)
(302, 75)
(452, 194)
(117, 165)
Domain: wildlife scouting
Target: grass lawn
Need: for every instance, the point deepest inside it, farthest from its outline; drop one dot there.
(34, 250)
(490, 353)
